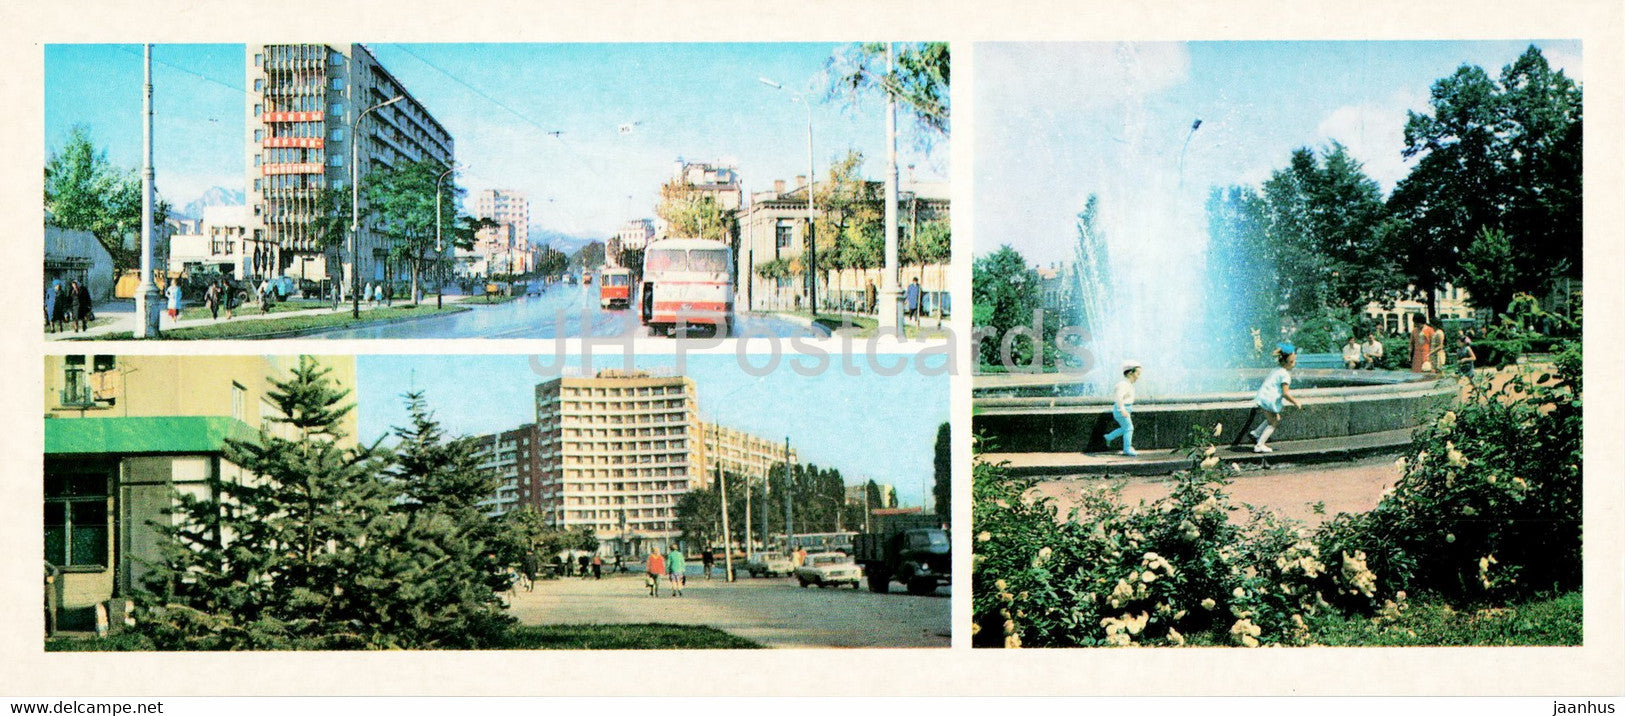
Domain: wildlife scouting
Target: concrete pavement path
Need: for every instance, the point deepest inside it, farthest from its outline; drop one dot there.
(775, 612)
(125, 320)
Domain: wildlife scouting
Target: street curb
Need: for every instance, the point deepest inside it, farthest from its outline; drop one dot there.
(802, 321)
(1170, 465)
(298, 332)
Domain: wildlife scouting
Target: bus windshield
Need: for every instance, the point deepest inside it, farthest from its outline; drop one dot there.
(694, 260)
(616, 279)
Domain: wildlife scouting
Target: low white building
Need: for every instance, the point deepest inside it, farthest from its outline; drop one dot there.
(76, 255)
(219, 244)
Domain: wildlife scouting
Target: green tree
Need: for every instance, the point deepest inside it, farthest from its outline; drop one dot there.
(942, 464)
(1005, 294)
(275, 561)
(588, 257)
(86, 192)
(551, 261)
(691, 212)
(401, 204)
(919, 78)
(1493, 155)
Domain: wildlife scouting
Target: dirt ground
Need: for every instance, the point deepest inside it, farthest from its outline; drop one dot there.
(1287, 490)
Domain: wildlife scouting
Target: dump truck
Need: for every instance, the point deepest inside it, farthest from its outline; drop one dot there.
(908, 547)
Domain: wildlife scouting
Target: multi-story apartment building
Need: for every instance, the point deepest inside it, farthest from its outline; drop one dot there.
(517, 459)
(303, 104)
(614, 453)
(124, 433)
(626, 453)
(504, 248)
(739, 454)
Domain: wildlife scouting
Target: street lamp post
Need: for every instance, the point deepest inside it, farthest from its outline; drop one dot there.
(355, 197)
(812, 242)
(439, 246)
(146, 294)
(727, 533)
(890, 294)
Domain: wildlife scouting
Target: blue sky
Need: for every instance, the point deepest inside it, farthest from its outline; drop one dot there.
(1100, 111)
(701, 102)
(869, 426)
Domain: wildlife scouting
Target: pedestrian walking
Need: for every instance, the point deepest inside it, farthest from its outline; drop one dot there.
(366, 293)
(228, 294)
(1436, 355)
(798, 557)
(619, 566)
(78, 307)
(51, 294)
(653, 571)
(530, 564)
(1421, 343)
(61, 308)
(378, 295)
(211, 298)
(674, 571)
(911, 300)
(174, 294)
(1272, 395)
(585, 563)
(706, 560)
(1123, 407)
(597, 567)
(869, 298)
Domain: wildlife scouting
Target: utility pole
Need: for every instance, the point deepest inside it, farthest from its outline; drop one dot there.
(750, 551)
(727, 535)
(789, 526)
(889, 307)
(146, 294)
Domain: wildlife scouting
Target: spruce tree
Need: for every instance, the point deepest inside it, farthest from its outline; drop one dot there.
(268, 561)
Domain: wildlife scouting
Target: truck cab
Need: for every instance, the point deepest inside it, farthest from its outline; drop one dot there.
(918, 556)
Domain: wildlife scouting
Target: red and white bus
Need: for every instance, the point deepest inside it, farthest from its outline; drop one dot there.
(687, 280)
(615, 288)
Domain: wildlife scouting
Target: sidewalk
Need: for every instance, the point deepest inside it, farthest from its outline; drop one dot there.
(1165, 462)
(125, 321)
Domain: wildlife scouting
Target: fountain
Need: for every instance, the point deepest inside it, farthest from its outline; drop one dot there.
(1165, 276)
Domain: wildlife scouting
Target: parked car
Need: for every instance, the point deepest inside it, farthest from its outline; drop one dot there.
(829, 568)
(770, 565)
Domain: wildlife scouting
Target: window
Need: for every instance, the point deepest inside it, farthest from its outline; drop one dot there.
(335, 59)
(257, 160)
(257, 189)
(782, 233)
(337, 134)
(76, 515)
(259, 135)
(259, 60)
(259, 85)
(336, 184)
(336, 109)
(335, 160)
(238, 395)
(259, 109)
(338, 84)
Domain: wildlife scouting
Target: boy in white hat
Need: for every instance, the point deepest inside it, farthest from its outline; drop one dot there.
(1122, 407)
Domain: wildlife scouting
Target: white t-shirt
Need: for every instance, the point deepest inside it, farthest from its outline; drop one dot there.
(1270, 394)
(1124, 394)
(1373, 349)
(1351, 351)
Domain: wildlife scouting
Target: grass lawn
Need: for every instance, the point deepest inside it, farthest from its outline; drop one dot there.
(491, 301)
(865, 327)
(253, 309)
(573, 636)
(624, 636)
(267, 327)
(1552, 621)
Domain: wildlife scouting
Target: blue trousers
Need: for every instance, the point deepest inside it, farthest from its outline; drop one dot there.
(1125, 429)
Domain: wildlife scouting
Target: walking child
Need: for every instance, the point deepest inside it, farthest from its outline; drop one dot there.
(1272, 395)
(1123, 407)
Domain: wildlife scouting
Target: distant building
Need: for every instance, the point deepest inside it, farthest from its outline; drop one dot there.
(221, 244)
(1449, 302)
(123, 434)
(303, 103)
(506, 247)
(633, 237)
(614, 453)
(719, 182)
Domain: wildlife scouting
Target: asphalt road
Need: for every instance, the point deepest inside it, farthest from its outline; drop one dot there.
(776, 612)
(564, 311)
